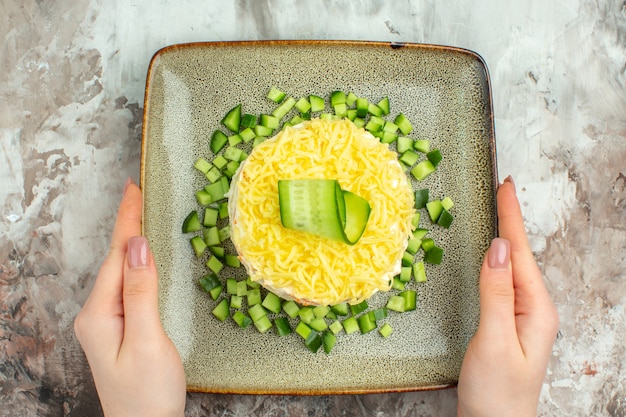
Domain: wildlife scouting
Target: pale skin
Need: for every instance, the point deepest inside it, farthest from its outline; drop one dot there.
(138, 372)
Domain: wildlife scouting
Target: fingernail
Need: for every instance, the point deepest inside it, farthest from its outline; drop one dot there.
(137, 252)
(129, 181)
(509, 179)
(499, 254)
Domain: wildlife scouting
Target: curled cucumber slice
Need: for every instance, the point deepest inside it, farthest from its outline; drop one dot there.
(322, 208)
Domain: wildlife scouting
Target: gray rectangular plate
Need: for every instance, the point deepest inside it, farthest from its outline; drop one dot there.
(444, 91)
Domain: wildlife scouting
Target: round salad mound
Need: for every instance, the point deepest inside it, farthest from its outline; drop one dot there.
(301, 266)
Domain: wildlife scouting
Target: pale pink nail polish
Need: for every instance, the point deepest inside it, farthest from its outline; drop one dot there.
(137, 252)
(499, 254)
(129, 181)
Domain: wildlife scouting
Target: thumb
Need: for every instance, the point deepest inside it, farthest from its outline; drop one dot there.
(140, 294)
(497, 296)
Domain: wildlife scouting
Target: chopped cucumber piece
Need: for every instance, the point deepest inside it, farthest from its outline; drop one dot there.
(213, 174)
(366, 323)
(272, 303)
(405, 273)
(318, 324)
(380, 313)
(263, 131)
(210, 217)
(434, 157)
(247, 134)
(397, 284)
(202, 165)
(407, 259)
(234, 140)
(303, 330)
(306, 314)
(389, 137)
(211, 236)
(428, 244)
(214, 264)
(236, 302)
(419, 271)
(248, 121)
(276, 95)
(232, 119)
(409, 157)
(257, 312)
(434, 255)
(390, 127)
(423, 169)
(384, 105)
(221, 310)
(335, 327)
(218, 141)
(404, 144)
(358, 308)
(320, 311)
(224, 233)
(284, 108)
(254, 297)
(291, 308)
(337, 97)
(386, 330)
(231, 286)
(283, 327)
(217, 251)
(263, 324)
(198, 245)
(241, 289)
(223, 209)
(362, 107)
(220, 162)
(374, 110)
(403, 124)
(314, 341)
(317, 103)
(421, 198)
(415, 221)
(445, 219)
(232, 261)
(396, 303)
(434, 208)
(420, 233)
(410, 299)
(447, 203)
(269, 121)
(203, 197)
(192, 223)
(328, 341)
(351, 99)
(241, 319)
(373, 126)
(422, 145)
(341, 309)
(350, 325)
(303, 105)
(208, 282)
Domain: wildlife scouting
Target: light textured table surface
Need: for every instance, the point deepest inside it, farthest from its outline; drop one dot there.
(72, 77)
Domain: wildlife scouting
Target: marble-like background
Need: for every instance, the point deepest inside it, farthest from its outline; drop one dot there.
(72, 76)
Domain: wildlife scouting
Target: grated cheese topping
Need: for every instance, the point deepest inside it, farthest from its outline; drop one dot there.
(304, 267)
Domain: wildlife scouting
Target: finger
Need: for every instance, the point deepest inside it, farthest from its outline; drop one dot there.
(533, 307)
(141, 309)
(108, 286)
(497, 297)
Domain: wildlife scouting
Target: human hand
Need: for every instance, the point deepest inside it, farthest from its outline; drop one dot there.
(135, 366)
(506, 360)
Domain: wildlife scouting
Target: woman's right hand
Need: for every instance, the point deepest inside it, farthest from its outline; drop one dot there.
(506, 360)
